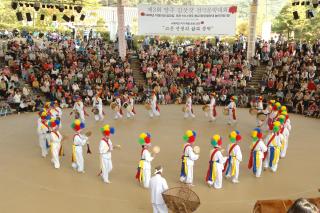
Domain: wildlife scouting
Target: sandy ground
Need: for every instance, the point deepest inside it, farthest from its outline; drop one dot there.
(29, 183)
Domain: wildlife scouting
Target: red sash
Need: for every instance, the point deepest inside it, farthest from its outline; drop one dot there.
(214, 111)
(211, 157)
(184, 150)
(234, 114)
(270, 140)
(45, 125)
(107, 142)
(157, 107)
(250, 163)
(226, 163)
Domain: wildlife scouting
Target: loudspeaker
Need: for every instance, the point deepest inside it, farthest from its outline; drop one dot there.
(295, 15)
(72, 18)
(14, 5)
(309, 14)
(54, 18)
(36, 6)
(42, 17)
(19, 16)
(82, 17)
(66, 18)
(28, 17)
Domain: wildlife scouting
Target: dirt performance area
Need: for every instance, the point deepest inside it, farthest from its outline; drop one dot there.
(29, 183)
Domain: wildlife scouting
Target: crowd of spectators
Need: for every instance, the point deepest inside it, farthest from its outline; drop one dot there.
(292, 74)
(61, 67)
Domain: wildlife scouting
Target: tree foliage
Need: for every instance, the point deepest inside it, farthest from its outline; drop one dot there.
(301, 28)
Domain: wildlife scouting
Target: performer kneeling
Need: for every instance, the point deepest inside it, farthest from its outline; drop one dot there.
(214, 173)
(143, 174)
(232, 165)
(188, 158)
(257, 152)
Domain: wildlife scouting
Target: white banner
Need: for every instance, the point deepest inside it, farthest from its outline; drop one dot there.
(187, 20)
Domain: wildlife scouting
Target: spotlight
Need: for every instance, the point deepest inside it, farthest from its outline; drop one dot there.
(28, 15)
(36, 6)
(295, 15)
(66, 18)
(57, 6)
(21, 4)
(43, 6)
(48, 5)
(19, 16)
(51, 6)
(78, 9)
(54, 18)
(82, 17)
(61, 9)
(70, 7)
(42, 17)
(26, 4)
(14, 5)
(309, 14)
(65, 7)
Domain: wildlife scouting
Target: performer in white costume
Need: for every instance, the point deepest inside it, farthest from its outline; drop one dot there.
(97, 105)
(130, 106)
(43, 132)
(232, 165)
(157, 186)
(232, 111)
(257, 151)
(212, 107)
(188, 158)
(105, 149)
(79, 140)
(188, 107)
(118, 112)
(143, 174)
(78, 106)
(155, 110)
(273, 141)
(55, 142)
(216, 164)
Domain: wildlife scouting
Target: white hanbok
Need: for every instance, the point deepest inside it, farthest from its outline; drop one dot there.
(231, 107)
(55, 145)
(189, 110)
(97, 103)
(235, 158)
(118, 113)
(190, 158)
(79, 140)
(157, 186)
(153, 111)
(219, 160)
(274, 145)
(105, 149)
(147, 159)
(44, 137)
(78, 106)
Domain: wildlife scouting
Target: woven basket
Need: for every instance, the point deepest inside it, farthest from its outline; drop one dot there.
(181, 199)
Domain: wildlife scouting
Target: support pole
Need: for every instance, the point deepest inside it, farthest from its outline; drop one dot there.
(121, 31)
(252, 30)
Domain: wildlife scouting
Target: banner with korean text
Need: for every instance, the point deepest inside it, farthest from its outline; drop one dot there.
(187, 20)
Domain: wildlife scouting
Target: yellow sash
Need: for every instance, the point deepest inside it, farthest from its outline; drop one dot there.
(258, 160)
(73, 153)
(185, 165)
(141, 166)
(214, 171)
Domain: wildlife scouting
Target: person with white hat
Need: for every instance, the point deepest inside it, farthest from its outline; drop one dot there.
(118, 112)
(157, 186)
(188, 107)
(212, 107)
(154, 106)
(232, 110)
(78, 106)
(97, 105)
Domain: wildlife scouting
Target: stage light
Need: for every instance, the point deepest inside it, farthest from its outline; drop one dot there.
(41, 17)
(78, 9)
(61, 8)
(66, 18)
(21, 4)
(26, 4)
(82, 17)
(28, 15)
(43, 6)
(295, 15)
(36, 6)
(70, 7)
(19, 16)
(14, 5)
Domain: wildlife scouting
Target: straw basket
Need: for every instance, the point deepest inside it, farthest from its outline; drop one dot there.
(205, 108)
(181, 199)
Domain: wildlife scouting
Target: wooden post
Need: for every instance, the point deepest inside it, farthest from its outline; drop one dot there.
(252, 29)
(121, 31)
